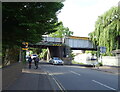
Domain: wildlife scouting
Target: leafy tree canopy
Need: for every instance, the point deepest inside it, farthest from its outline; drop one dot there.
(107, 30)
(28, 21)
(61, 31)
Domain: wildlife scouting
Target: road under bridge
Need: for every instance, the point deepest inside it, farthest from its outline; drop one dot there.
(60, 47)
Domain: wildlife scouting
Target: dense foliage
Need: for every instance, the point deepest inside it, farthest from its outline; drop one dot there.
(107, 30)
(61, 31)
(27, 21)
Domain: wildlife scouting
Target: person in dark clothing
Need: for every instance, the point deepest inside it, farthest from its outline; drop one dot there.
(29, 61)
(36, 61)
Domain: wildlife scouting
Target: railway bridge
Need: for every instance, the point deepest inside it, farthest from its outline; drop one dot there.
(60, 47)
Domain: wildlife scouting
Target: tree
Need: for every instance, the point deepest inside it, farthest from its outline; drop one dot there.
(61, 31)
(107, 30)
(27, 22)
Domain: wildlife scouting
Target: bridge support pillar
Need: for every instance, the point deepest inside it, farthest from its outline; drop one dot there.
(48, 54)
(61, 52)
(55, 51)
(67, 57)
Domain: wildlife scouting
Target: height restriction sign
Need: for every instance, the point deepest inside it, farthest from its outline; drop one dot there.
(24, 45)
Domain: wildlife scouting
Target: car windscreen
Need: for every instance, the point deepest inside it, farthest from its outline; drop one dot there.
(34, 55)
(56, 58)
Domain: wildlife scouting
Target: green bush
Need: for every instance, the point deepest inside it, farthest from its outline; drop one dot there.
(74, 62)
(100, 64)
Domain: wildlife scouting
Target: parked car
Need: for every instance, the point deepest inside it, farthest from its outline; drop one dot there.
(33, 56)
(51, 61)
(56, 61)
(27, 56)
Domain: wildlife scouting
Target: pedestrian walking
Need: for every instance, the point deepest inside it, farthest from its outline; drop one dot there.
(30, 61)
(36, 61)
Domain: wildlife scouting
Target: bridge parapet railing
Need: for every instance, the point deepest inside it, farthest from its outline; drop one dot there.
(52, 39)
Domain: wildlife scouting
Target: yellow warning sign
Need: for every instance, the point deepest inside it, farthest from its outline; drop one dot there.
(57, 45)
(24, 45)
(24, 48)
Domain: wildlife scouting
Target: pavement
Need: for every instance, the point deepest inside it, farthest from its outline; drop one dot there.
(31, 79)
(109, 69)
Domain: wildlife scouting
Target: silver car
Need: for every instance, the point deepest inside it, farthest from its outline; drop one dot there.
(56, 61)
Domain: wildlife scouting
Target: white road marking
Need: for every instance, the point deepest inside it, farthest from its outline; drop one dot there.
(75, 73)
(57, 82)
(103, 85)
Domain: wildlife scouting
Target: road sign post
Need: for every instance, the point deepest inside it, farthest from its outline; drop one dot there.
(24, 48)
(102, 50)
(98, 55)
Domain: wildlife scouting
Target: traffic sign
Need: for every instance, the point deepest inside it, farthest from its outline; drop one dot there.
(24, 45)
(102, 49)
(24, 48)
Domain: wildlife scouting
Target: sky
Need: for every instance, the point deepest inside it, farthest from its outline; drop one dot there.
(80, 15)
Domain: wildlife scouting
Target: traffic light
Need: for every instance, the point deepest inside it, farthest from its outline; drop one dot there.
(24, 45)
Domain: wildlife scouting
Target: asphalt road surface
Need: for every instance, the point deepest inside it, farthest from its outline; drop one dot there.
(65, 78)
(80, 78)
